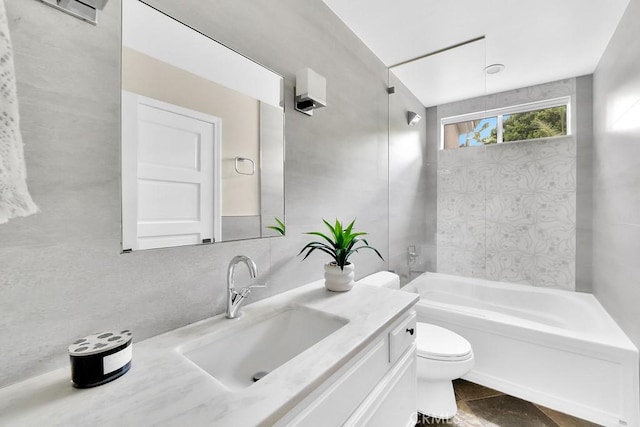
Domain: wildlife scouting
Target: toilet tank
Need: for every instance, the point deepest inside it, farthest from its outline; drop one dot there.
(385, 279)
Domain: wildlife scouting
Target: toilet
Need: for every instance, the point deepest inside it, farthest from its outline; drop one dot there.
(443, 356)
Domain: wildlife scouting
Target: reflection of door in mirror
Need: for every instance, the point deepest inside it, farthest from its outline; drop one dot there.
(173, 172)
(180, 89)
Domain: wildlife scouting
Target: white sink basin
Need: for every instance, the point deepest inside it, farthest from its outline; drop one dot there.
(259, 347)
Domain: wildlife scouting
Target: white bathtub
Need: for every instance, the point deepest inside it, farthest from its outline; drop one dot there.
(557, 348)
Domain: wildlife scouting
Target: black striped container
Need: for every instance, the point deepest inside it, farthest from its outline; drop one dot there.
(100, 358)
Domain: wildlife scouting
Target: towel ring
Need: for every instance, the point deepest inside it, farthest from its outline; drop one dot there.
(244, 159)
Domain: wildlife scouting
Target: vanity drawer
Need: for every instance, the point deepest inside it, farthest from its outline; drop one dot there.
(342, 397)
(402, 336)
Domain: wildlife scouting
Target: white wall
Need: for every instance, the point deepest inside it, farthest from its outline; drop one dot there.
(616, 176)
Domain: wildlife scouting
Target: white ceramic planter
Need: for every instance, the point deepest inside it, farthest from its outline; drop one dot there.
(338, 280)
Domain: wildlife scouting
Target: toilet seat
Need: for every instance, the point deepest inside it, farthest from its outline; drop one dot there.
(438, 343)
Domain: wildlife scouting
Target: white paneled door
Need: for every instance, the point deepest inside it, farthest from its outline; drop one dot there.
(170, 174)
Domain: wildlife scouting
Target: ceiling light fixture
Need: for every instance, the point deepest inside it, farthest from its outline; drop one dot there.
(494, 68)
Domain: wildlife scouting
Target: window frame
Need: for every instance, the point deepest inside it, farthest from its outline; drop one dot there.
(499, 113)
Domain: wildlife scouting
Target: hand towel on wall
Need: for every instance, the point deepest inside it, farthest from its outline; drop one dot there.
(15, 200)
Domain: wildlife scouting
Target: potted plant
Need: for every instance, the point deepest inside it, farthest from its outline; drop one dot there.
(339, 245)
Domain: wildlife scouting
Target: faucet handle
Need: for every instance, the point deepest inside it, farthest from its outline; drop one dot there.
(244, 292)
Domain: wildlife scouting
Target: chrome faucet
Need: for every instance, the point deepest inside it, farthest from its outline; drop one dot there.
(235, 299)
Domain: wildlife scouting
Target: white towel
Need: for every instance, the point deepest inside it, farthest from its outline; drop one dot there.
(15, 200)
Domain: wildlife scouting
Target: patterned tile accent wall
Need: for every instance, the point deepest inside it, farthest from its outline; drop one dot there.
(507, 212)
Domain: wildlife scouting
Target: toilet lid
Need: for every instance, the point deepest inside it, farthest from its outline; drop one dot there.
(438, 343)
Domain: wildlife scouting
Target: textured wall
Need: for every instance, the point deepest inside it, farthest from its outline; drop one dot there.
(508, 212)
(616, 176)
(61, 272)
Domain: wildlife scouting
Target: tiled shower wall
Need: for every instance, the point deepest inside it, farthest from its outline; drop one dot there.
(508, 212)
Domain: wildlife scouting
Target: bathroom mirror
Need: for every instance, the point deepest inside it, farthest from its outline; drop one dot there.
(202, 137)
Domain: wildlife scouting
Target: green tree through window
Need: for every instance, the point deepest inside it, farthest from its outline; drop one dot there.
(536, 120)
(534, 124)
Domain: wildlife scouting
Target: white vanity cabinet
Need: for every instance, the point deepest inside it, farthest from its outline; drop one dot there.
(377, 387)
(361, 374)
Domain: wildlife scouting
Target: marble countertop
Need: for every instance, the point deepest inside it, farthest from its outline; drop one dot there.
(163, 387)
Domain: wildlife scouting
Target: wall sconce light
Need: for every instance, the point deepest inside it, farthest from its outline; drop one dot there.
(311, 91)
(87, 10)
(413, 118)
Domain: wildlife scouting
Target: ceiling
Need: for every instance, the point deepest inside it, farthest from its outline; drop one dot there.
(538, 41)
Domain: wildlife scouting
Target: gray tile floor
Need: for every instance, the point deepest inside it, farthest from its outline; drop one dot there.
(480, 406)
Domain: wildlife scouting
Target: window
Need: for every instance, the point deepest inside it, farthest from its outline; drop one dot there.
(471, 133)
(545, 119)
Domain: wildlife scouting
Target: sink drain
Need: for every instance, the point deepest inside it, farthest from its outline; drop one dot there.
(258, 376)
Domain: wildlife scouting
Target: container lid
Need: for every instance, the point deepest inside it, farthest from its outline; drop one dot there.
(438, 343)
(100, 342)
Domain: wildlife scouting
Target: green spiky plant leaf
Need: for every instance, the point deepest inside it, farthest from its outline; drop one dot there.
(340, 244)
(280, 228)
